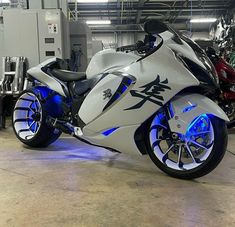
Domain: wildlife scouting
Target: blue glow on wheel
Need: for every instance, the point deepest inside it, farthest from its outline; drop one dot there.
(199, 123)
(183, 151)
(27, 116)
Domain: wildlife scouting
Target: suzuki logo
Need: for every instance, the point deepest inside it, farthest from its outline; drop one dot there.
(107, 94)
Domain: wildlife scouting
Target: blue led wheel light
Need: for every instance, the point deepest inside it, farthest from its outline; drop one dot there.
(182, 151)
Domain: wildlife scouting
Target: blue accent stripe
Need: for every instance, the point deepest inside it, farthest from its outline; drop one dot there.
(171, 110)
(189, 108)
(124, 88)
(109, 131)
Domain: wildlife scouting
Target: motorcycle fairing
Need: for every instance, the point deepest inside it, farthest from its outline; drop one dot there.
(107, 60)
(103, 95)
(183, 117)
(156, 69)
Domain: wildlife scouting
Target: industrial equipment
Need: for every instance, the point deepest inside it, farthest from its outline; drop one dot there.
(42, 31)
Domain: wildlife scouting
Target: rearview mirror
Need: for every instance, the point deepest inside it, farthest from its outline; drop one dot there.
(154, 26)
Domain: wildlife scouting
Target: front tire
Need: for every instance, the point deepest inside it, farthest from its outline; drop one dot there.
(192, 155)
(29, 121)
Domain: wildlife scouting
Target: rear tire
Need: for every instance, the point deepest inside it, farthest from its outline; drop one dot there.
(212, 159)
(29, 121)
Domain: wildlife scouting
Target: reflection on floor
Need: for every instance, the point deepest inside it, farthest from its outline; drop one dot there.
(73, 184)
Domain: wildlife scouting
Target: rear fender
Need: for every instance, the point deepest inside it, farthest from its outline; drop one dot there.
(48, 80)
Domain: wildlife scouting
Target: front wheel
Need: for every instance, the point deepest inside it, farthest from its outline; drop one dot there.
(192, 155)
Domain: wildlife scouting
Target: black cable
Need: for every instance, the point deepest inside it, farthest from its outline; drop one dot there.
(231, 152)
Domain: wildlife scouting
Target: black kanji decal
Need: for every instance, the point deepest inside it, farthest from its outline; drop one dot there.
(107, 94)
(151, 92)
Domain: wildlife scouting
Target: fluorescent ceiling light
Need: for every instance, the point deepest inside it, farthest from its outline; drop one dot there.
(203, 20)
(98, 22)
(5, 1)
(92, 1)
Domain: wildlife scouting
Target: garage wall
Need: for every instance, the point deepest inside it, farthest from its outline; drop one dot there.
(1, 48)
(112, 40)
(108, 39)
(200, 35)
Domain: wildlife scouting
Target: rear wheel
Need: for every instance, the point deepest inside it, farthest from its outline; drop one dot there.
(29, 121)
(192, 155)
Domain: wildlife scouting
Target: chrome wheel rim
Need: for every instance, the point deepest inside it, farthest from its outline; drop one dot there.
(182, 152)
(27, 116)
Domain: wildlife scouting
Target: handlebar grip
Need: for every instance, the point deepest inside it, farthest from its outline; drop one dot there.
(139, 46)
(127, 48)
(145, 49)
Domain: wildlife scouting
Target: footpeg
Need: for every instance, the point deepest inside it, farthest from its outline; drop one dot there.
(61, 125)
(78, 131)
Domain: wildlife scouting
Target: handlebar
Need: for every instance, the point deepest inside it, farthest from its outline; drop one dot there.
(140, 47)
(127, 48)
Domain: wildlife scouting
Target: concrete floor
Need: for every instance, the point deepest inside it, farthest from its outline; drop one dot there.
(73, 184)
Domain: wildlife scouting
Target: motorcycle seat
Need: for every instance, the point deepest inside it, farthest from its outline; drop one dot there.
(68, 76)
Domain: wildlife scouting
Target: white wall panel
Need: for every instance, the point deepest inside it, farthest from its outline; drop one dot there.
(200, 35)
(1, 47)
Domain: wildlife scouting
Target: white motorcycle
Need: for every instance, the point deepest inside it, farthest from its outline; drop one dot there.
(151, 98)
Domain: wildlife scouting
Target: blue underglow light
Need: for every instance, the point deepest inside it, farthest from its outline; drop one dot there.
(57, 99)
(189, 108)
(43, 90)
(54, 103)
(109, 131)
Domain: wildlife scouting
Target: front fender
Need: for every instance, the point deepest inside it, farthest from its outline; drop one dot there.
(186, 108)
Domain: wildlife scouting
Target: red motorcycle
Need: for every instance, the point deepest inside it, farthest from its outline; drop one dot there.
(226, 75)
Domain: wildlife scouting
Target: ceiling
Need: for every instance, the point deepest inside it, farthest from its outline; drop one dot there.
(127, 14)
